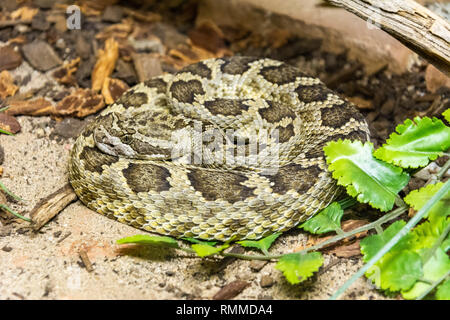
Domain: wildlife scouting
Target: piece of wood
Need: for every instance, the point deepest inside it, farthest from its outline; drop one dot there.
(409, 22)
(86, 261)
(51, 205)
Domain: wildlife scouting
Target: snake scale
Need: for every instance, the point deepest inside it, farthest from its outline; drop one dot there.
(225, 149)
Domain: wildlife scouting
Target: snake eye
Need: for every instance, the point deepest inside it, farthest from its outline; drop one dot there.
(127, 139)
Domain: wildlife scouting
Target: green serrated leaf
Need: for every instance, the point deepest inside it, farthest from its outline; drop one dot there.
(326, 220)
(418, 198)
(415, 143)
(396, 271)
(443, 291)
(204, 250)
(446, 115)
(446, 244)
(372, 244)
(263, 244)
(427, 233)
(159, 241)
(367, 179)
(298, 267)
(434, 269)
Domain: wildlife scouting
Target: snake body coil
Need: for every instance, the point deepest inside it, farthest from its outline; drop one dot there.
(226, 148)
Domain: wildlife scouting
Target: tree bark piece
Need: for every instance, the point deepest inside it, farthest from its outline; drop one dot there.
(412, 24)
(51, 205)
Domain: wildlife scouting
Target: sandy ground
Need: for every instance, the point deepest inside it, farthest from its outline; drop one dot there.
(47, 265)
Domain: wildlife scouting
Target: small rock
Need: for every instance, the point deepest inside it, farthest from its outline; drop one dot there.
(41, 56)
(388, 107)
(9, 5)
(426, 173)
(7, 249)
(415, 183)
(125, 71)
(435, 79)
(22, 28)
(82, 47)
(68, 128)
(9, 58)
(9, 123)
(112, 14)
(83, 73)
(257, 265)
(60, 43)
(168, 34)
(266, 281)
(433, 167)
(39, 22)
(148, 45)
(231, 290)
(40, 133)
(147, 66)
(57, 234)
(44, 4)
(170, 273)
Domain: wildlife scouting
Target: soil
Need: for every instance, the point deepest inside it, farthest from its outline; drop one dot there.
(51, 264)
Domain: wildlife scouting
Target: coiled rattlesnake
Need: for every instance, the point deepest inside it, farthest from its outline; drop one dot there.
(226, 148)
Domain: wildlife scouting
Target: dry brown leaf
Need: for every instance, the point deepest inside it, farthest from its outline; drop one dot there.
(65, 74)
(117, 31)
(80, 103)
(208, 36)
(105, 63)
(98, 5)
(347, 251)
(24, 13)
(347, 225)
(17, 40)
(7, 87)
(37, 107)
(278, 38)
(361, 103)
(113, 89)
(147, 16)
(185, 55)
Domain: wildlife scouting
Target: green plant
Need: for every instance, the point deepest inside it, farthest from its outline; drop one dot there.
(405, 257)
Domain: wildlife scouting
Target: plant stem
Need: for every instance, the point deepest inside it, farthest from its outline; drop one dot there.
(10, 193)
(6, 132)
(387, 217)
(442, 172)
(436, 245)
(238, 255)
(5, 207)
(433, 285)
(385, 249)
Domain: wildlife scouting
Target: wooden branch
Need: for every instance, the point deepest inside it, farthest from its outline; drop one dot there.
(412, 24)
(51, 205)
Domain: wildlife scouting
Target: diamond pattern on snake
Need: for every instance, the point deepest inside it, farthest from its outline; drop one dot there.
(225, 149)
